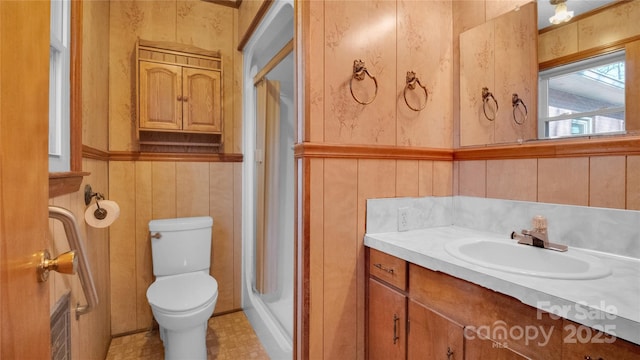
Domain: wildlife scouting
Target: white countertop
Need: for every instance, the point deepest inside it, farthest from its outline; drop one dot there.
(611, 304)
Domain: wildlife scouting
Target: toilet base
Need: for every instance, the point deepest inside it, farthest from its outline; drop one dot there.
(185, 344)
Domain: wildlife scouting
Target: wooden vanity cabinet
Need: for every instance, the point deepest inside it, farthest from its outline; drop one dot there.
(582, 342)
(180, 93)
(386, 306)
(387, 322)
(433, 336)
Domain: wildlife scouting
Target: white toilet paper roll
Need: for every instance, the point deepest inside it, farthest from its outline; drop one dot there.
(113, 211)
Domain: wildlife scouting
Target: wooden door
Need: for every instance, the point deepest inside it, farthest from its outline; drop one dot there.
(387, 322)
(202, 108)
(160, 96)
(432, 336)
(24, 99)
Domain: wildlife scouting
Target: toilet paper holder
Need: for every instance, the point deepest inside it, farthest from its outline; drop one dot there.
(100, 213)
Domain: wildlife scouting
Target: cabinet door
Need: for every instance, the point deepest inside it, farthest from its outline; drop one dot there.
(387, 322)
(202, 109)
(583, 342)
(160, 96)
(432, 336)
(477, 347)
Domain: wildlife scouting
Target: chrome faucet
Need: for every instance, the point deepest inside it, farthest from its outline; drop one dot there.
(538, 236)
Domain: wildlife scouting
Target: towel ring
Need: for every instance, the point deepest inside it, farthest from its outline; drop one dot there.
(486, 94)
(516, 101)
(358, 73)
(411, 85)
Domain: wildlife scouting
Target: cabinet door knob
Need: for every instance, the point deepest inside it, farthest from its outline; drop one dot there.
(449, 353)
(179, 97)
(185, 98)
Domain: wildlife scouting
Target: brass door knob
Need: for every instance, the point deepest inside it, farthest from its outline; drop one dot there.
(65, 263)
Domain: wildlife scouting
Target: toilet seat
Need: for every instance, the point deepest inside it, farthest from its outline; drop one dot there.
(182, 293)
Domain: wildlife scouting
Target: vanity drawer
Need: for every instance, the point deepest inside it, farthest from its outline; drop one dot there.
(388, 268)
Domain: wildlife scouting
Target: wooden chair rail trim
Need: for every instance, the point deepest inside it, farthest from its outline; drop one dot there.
(180, 157)
(614, 146)
(318, 150)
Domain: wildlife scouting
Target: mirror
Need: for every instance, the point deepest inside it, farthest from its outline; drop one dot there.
(499, 55)
(596, 23)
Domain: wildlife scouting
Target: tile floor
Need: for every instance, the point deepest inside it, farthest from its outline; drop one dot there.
(230, 337)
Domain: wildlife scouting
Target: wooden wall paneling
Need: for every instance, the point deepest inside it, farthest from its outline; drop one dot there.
(312, 47)
(192, 189)
(238, 82)
(512, 179)
(494, 9)
(95, 81)
(122, 248)
(98, 336)
(373, 182)
(314, 173)
(607, 26)
(558, 42)
(606, 185)
(564, 181)
(442, 178)
(221, 200)
(473, 178)
(407, 178)
(423, 45)
(340, 258)
(164, 190)
(633, 182)
(632, 86)
(349, 37)
(425, 178)
(237, 235)
(476, 72)
(212, 27)
(516, 72)
(144, 262)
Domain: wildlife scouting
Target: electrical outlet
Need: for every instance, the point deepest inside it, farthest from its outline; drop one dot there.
(403, 219)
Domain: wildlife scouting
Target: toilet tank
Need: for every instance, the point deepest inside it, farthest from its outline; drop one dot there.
(180, 245)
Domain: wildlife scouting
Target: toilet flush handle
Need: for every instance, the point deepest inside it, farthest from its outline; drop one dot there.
(156, 236)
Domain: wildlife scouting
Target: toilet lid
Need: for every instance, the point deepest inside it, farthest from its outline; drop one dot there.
(182, 292)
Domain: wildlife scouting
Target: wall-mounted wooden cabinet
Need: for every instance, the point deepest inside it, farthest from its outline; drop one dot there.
(179, 96)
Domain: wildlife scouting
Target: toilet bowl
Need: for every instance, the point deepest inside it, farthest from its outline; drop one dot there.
(184, 295)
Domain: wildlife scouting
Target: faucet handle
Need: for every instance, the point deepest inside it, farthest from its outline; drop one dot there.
(539, 223)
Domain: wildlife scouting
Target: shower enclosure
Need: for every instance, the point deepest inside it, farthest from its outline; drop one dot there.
(268, 180)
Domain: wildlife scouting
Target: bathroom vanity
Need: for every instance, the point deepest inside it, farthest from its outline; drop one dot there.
(423, 302)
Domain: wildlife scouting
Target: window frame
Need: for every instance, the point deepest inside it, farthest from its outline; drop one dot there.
(618, 55)
(59, 87)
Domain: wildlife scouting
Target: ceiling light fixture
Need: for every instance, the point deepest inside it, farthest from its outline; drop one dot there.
(561, 15)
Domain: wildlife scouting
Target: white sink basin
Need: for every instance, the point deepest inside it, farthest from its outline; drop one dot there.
(512, 257)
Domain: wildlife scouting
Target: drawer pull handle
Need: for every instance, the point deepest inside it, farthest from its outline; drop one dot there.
(379, 266)
(587, 357)
(449, 353)
(396, 320)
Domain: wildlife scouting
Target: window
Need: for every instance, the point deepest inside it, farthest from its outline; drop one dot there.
(583, 98)
(59, 87)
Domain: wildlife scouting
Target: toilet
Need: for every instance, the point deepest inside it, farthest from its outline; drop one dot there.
(184, 294)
